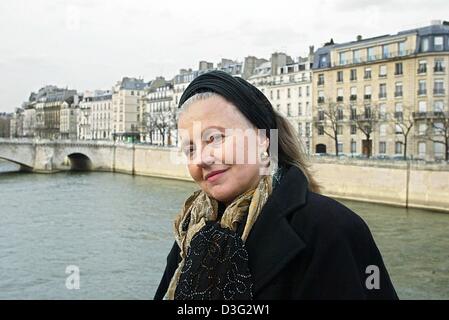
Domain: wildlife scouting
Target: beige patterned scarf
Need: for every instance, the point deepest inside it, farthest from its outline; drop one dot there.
(199, 208)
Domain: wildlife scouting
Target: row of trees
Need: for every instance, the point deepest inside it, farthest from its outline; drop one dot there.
(163, 122)
(331, 117)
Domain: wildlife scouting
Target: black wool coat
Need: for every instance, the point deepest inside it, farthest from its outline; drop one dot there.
(307, 246)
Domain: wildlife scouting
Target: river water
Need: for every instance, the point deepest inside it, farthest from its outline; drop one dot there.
(117, 229)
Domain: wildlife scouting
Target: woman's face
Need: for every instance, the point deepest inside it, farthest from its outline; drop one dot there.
(222, 148)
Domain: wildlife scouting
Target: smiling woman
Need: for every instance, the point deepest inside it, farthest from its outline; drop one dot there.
(257, 228)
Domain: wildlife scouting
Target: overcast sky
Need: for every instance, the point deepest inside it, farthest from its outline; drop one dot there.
(90, 44)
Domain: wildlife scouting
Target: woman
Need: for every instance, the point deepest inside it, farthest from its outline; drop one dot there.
(258, 228)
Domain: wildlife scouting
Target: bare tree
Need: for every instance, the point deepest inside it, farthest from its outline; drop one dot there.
(403, 123)
(438, 130)
(367, 123)
(328, 121)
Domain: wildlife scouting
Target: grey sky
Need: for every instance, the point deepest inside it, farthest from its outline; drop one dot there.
(92, 44)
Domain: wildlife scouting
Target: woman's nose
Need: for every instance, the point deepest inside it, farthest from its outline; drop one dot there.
(206, 158)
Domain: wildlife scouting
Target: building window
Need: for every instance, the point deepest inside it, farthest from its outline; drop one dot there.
(383, 111)
(398, 89)
(320, 79)
(340, 76)
(401, 48)
(320, 130)
(438, 150)
(370, 54)
(340, 114)
(353, 93)
(288, 110)
(342, 57)
(367, 73)
(398, 68)
(339, 130)
(398, 147)
(340, 147)
(339, 94)
(438, 128)
(320, 115)
(277, 94)
(271, 96)
(422, 128)
(438, 87)
(398, 111)
(353, 129)
(367, 112)
(422, 87)
(299, 91)
(308, 129)
(422, 150)
(438, 106)
(385, 52)
(356, 56)
(353, 74)
(288, 92)
(422, 106)
(382, 90)
(438, 43)
(422, 68)
(367, 93)
(439, 65)
(383, 71)
(382, 147)
(383, 130)
(299, 109)
(300, 129)
(353, 113)
(424, 44)
(307, 91)
(323, 61)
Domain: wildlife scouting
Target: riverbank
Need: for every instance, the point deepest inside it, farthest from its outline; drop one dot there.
(397, 183)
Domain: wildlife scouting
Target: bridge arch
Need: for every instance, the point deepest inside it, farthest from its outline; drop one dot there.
(79, 162)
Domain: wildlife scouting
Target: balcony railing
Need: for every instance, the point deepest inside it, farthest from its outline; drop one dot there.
(382, 95)
(339, 99)
(320, 82)
(353, 97)
(422, 92)
(439, 69)
(398, 93)
(389, 55)
(398, 115)
(367, 97)
(367, 76)
(320, 99)
(422, 69)
(438, 91)
(429, 115)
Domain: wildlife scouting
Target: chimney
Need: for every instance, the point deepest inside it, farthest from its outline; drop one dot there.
(435, 22)
(311, 49)
(359, 38)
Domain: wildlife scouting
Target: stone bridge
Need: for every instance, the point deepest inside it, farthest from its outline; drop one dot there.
(56, 155)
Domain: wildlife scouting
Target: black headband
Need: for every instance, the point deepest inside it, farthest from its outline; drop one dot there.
(246, 97)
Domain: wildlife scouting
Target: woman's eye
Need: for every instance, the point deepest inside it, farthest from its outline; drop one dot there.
(216, 138)
(189, 151)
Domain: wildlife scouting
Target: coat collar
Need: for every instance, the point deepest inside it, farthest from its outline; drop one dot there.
(272, 242)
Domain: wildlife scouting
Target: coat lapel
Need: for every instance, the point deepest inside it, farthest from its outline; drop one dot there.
(272, 242)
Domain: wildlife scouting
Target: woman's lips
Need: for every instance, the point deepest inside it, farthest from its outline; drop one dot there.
(215, 175)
